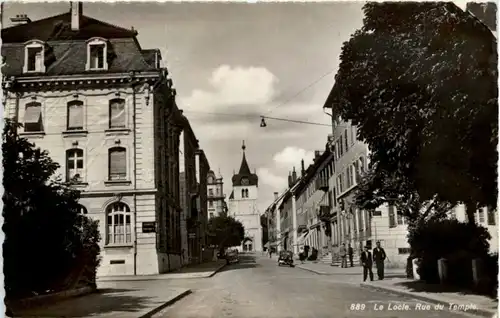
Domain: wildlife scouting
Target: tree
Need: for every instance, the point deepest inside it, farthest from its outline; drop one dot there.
(225, 231)
(419, 80)
(45, 234)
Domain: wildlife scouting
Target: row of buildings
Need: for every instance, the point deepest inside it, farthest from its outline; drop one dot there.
(105, 109)
(317, 209)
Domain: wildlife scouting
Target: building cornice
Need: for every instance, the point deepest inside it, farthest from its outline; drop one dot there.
(111, 193)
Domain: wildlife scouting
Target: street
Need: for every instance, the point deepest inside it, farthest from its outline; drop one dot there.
(257, 287)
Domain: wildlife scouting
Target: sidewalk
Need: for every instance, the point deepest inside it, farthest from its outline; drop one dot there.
(437, 294)
(204, 270)
(327, 269)
(112, 303)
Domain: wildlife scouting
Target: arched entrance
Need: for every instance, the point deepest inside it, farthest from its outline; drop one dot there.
(248, 245)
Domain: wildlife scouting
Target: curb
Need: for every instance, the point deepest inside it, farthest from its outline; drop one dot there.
(217, 270)
(311, 270)
(166, 304)
(477, 312)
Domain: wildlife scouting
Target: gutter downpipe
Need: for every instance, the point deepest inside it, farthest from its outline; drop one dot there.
(134, 123)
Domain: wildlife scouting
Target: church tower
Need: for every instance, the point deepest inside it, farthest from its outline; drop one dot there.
(243, 205)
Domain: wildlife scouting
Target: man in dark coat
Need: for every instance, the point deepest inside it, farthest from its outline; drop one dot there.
(379, 258)
(367, 262)
(350, 252)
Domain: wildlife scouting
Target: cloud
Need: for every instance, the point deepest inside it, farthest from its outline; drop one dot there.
(291, 156)
(267, 177)
(232, 87)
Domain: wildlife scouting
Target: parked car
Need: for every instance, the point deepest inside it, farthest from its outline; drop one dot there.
(232, 256)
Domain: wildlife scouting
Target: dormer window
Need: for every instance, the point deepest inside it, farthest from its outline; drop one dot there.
(97, 54)
(34, 59)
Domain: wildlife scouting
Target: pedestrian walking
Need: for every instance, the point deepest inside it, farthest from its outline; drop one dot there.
(367, 261)
(343, 256)
(350, 252)
(379, 257)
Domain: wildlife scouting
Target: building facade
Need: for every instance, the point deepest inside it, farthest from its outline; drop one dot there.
(105, 110)
(215, 195)
(243, 206)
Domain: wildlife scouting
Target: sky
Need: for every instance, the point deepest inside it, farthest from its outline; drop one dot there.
(231, 63)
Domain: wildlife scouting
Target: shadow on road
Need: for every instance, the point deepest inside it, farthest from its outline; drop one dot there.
(105, 301)
(246, 261)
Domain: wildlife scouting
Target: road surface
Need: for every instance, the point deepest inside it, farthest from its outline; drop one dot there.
(257, 287)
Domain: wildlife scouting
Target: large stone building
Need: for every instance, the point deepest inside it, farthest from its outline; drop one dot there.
(216, 196)
(243, 206)
(105, 110)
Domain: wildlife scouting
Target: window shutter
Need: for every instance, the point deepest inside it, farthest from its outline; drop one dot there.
(117, 163)
(392, 216)
(33, 114)
(75, 115)
(117, 113)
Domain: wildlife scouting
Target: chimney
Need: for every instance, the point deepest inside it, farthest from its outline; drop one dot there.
(294, 175)
(302, 168)
(20, 19)
(76, 15)
(275, 196)
(290, 181)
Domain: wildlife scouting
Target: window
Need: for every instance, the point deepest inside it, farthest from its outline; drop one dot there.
(348, 174)
(211, 214)
(34, 59)
(118, 224)
(33, 118)
(210, 204)
(356, 172)
(211, 192)
(246, 193)
(341, 147)
(334, 197)
(242, 193)
(353, 174)
(117, 113)
(392, 216)
(362, 166)
(480, 216)
(117, 163)
(360, 219)
(97, 56)
(491, 216)
(74, 165)
(346, 142)
(75, 115)
(400, 218)
(82, 209)
(377, 213)
(353, 134)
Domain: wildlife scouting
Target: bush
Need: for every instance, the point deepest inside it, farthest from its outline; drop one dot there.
(457, 242)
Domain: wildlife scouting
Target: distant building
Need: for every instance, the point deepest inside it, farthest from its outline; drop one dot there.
(215, 195)
(105, 110)
(243, 206)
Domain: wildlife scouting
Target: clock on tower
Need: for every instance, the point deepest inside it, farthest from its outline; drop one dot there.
(244, 181)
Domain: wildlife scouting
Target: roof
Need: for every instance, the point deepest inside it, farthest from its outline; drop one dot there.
(244, 172)
(66, 51)
(57, 28)
(313, 168)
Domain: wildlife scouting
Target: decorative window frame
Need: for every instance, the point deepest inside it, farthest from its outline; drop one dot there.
(127, 106)
(83, 181)
(93, 42)
(34, 44)
(108, 206)
(125, 181)
(22, 111)
(79, 98)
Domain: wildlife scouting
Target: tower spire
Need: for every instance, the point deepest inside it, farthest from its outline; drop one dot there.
(243, 146)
